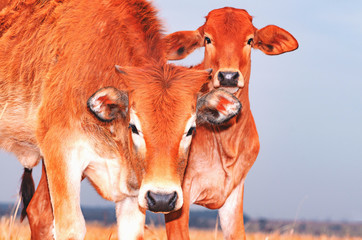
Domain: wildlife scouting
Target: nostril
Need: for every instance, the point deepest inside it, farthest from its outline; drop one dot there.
(173, 200)
(236, 76)
(150, 199)
(220, 76)
(228, 79)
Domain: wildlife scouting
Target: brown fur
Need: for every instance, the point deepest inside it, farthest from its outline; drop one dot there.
(220, 157)
(3, 4)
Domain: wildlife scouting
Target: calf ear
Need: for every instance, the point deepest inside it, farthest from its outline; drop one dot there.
(108, 104)
(273, 40)
(180, 44)
(217, 107)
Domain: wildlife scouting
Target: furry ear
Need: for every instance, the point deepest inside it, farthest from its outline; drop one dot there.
(180, 44)
(217, 107)
(108, 104)
(273, 40)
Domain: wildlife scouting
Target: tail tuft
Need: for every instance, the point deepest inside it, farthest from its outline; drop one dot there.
(27, 190)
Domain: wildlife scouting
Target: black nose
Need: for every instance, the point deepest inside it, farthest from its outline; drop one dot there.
(228, 79)
(161, 202)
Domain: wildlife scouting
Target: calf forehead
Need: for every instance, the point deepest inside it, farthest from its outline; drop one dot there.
(229, 21)
(163, 110)
(164, 100)
(163, 119)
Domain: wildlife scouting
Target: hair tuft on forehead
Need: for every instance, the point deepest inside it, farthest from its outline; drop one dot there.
(165, 95)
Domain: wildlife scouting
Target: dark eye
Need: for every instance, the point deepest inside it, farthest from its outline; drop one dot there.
(191, 131)
(207, 40)
(133, 128)
(250, 41)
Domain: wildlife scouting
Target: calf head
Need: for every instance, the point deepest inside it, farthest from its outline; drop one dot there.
(161, 105)
(228, 36)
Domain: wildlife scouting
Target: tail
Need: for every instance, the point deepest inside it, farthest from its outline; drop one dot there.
(27, 190)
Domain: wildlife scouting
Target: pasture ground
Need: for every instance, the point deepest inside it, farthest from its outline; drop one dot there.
(11, 229)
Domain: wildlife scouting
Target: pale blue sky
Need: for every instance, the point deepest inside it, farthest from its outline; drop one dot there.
(307, 106)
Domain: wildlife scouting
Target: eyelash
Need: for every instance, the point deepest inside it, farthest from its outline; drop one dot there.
(207, 40)
(133, 128)
(250, 41)
(191, 131)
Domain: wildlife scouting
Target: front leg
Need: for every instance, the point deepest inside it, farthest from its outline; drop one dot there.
(231, 214)
(177, 223)
(40, 212)
(130, 219)
(64, 168)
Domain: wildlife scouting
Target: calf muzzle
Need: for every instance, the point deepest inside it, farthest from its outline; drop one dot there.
(161, 202)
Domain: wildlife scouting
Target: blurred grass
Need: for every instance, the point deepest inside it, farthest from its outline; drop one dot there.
(14, 230)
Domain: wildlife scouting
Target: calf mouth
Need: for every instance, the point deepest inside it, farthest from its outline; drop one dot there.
(230, 89)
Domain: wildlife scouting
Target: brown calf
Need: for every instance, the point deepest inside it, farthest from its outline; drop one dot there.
(127, 131)
(221, 156)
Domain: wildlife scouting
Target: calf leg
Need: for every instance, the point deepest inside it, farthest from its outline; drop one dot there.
(64, 166)
(231, 214)
(40, 212)
(130, 219)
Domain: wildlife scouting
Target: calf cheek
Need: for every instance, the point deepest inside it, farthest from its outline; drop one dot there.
(210, 60)
(181, 166)
(136, 167)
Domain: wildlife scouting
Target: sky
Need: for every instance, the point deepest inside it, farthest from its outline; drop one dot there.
(307, 106)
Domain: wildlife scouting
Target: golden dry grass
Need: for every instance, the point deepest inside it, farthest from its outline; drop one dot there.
(21, 231)
(12, 229)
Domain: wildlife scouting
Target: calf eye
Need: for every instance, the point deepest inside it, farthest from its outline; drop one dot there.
(250, 41)
(133, 128)
(207, 40)
(191, 131)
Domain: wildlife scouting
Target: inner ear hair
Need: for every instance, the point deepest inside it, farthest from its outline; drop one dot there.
(217, 107)
(108, 103)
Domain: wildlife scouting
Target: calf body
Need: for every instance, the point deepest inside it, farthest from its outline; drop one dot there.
(221, 156)
(54, 55)
(126, 130)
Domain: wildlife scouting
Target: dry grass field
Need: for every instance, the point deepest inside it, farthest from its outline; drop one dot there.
(14, 230)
